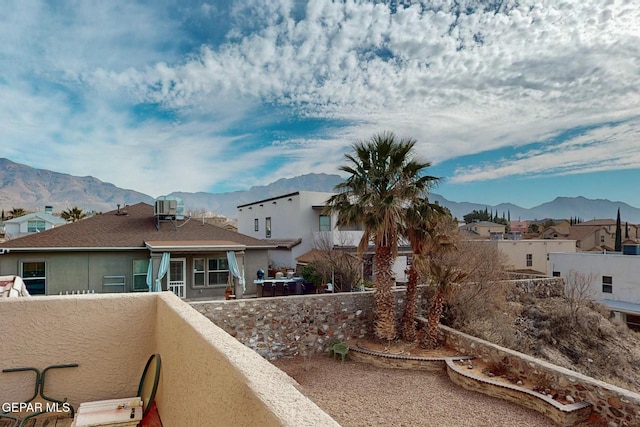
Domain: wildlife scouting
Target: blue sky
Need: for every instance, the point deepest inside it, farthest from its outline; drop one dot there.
(512, 101)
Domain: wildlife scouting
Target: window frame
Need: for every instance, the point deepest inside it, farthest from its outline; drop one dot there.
(207, 271)
(529, 260)
(135, 275)
(27, 280)
(36, 228)
(267, 227)
(607, 284)
(325, 226)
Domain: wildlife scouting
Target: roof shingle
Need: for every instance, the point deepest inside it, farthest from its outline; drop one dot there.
(130, 227)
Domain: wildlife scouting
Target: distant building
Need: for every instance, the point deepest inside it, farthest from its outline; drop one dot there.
(615, 278)
(483, 230)
(126, 249)
(519, 226)
(531, 255)
(595, 235)
(295, 224)
(31, 223)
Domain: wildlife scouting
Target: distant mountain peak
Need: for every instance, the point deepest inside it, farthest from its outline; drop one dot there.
(32, 189)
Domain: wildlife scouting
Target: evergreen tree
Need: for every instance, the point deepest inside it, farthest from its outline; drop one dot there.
(626, 230)
(618, 244)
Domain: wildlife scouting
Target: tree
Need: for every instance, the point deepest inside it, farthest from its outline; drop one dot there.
(335, 263)
(385, 179)
(17, 212)
(579, 291)
(443, 274)
(420, 220)
(626, 230)
(73, 214)
(618, 243)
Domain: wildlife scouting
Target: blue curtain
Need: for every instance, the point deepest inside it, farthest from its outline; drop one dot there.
(233, 268)
(164, 266)
(150, 275)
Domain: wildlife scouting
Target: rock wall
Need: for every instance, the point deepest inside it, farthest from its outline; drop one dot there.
(537, 287)
(612, 405)
(298, 325)
(293, 325)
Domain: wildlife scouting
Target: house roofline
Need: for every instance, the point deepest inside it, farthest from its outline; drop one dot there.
(269, 199)
(70, 249)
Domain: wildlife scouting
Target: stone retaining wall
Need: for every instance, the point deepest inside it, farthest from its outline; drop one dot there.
(612, 405)
(288, 326)
(294, 325)
(537, 287)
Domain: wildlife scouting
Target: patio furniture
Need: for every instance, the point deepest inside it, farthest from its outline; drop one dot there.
(123, 412)
(58, 405)
(340, 348)
(268, 290)
(281, 288)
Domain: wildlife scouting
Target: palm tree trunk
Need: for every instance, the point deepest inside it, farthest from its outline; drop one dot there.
(385, 324)
(409, 313)
(430, 338)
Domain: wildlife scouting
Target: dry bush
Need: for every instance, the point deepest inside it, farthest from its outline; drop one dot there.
(578, 291)
(336, 264)
(482, 293)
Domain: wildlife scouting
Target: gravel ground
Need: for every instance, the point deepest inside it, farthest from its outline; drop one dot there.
(358, 394)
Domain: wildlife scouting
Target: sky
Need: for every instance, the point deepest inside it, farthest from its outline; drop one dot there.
(511, 101)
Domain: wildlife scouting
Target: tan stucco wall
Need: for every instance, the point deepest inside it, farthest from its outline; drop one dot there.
(217, 378)
(109, 337)
(208, 378)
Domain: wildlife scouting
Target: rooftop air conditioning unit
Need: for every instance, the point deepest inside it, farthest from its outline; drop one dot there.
(166, 207)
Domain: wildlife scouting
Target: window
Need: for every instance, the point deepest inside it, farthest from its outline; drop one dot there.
(256, 225)
(556, 274)
(602, 239)
(213, 272)
(34, 276)
(267, 226)
(198, 272)
(529, 260)
(633, 322)
(607, 284)
(35, 225)
(218, 271)
(140, 268)
(325, 223)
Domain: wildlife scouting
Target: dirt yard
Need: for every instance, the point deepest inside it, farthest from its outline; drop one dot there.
(358, 394)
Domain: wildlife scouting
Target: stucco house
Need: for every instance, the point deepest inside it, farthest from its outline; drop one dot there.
(614, 278)
(483, 230)
(123, 250)
(31, 223)
(295, 224)
(531, 255)
(593, 235)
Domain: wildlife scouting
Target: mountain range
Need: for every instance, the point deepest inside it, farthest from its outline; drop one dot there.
(25, 187)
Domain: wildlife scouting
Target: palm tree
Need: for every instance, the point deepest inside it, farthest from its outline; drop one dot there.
(420, 222)
(385, 179)
(72, 215)
(445, 273)
(17, 212)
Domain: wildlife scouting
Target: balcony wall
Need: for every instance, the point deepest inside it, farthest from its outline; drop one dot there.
(206, 374)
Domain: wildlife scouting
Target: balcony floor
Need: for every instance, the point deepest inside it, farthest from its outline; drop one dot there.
(40, 421)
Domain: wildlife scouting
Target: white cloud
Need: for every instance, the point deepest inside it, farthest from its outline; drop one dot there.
(461, 83)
